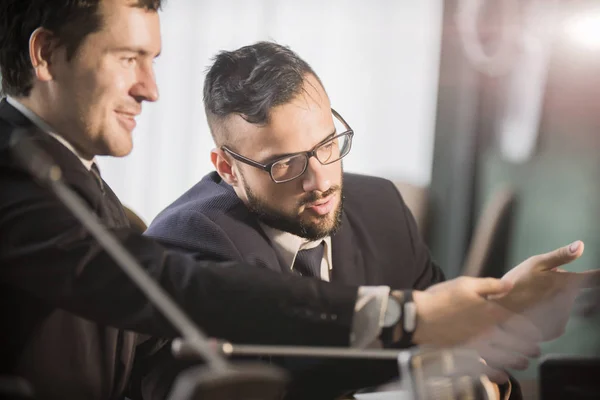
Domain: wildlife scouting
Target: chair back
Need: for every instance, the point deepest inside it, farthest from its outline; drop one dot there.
(135, 221)
(487, 250)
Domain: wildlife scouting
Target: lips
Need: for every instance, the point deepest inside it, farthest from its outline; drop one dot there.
(127, 120)
(322, 206)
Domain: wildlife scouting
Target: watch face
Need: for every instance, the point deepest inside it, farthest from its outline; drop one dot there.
(393, 313)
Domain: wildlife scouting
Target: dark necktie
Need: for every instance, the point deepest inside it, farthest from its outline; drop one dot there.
(308, 262)
(96, 172)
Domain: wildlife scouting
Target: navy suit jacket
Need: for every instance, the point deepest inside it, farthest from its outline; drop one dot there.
(378, 242)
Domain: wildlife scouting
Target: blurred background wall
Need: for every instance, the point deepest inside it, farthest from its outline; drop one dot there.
(529, 121)
(379, 62)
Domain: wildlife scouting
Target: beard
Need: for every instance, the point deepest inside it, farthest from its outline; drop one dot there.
(325, 225)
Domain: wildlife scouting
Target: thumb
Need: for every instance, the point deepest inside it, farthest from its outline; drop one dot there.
(562, 256)
(490, 286)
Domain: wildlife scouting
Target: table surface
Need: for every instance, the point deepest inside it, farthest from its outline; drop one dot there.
(393, 395)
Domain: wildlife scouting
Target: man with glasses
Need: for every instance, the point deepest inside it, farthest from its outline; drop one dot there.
(279, 173)
(279, 199)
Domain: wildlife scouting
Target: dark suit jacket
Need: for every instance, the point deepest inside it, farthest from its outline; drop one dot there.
(61, 294)
(377, 244)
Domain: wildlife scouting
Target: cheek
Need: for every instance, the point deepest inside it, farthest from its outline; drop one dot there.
(333, 174)
(113, 85)
(94, 95)
(336, 172)
(121, 84)
(282, 196)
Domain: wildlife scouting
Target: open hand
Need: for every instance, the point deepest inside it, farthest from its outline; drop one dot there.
(545, 293)
(454, 312)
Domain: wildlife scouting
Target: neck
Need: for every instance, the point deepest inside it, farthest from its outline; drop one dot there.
(42, 109)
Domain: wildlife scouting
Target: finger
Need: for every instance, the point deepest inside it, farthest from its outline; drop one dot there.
(490, 286)
(475, 368)
(500, 358)
(581, 280)
(562, 256)
(496, 375)
(518, 325)
(505, 341)
(587, 303)
(590, 279)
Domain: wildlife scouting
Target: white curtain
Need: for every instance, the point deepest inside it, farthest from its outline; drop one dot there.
(378, 60)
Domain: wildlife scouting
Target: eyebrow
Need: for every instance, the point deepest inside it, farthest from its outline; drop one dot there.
(275, 157)
(138, 50)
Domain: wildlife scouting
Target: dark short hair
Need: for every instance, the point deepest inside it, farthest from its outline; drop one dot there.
(71, 20)
(250, 81)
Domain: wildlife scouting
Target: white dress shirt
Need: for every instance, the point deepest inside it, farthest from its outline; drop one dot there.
(288, 245)
(371, 305)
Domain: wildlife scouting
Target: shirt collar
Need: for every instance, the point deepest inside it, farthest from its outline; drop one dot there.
(287, 245)
(43, 125)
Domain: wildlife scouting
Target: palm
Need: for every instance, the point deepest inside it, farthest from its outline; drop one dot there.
(545, 293)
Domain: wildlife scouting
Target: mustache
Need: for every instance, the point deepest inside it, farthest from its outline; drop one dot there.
(314, 196)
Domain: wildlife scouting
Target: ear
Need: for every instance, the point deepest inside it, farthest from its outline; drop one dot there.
(224, 166)
(42, 46)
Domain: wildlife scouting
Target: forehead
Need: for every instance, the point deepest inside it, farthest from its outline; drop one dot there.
(295, 126)
(125, 24)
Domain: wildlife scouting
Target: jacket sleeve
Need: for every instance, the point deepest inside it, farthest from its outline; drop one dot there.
(45, 252)
(193, 233)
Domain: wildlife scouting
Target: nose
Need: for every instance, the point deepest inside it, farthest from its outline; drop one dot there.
(315, 177)
(145, 89)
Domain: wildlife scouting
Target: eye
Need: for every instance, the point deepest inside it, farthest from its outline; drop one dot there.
(129, 61)
(282, 165)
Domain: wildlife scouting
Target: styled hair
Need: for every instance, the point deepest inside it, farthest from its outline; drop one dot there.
(70, 20)
(249, 82)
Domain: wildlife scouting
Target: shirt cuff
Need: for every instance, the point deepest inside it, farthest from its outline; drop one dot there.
(369, 313)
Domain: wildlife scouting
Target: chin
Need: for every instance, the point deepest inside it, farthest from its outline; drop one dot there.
(117, 149)
(321, 222)
(120, 146)
(122, 152)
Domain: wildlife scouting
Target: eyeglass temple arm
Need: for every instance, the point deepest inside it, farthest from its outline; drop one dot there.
(243, 159)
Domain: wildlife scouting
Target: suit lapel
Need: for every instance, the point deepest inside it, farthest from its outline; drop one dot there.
(72, 168)
(281, 264)
(348, 261)
(253, 250)
(259, 250)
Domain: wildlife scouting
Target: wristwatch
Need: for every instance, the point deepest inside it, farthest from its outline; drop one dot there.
(393, 312)
(400, 319)
(409, 323)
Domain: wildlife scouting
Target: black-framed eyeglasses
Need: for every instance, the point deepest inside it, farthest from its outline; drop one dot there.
(292, 166)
